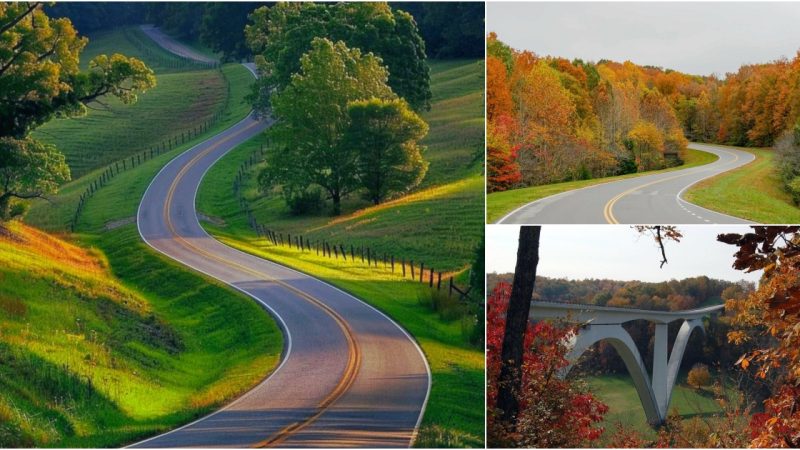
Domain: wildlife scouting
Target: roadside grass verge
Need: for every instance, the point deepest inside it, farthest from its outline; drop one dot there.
(498, 204)
(752, 192)
(92, 358)
(120, 197)
(456, 405)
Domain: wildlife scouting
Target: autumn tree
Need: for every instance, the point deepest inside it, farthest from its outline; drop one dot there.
(775, 308)
(385, 135)
(498, 94)
(646, 143)
(307, 143)
(699, 376)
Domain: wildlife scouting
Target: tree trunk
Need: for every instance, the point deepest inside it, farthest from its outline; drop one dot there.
(519, 306)
(337, 203)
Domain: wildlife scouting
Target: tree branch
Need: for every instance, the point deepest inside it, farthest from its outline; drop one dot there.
(10, 25)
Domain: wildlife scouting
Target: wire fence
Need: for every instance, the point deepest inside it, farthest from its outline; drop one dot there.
(369, 257)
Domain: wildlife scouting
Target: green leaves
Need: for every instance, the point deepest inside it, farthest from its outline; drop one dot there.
(281, 34)
(28, 169)
(384, 136)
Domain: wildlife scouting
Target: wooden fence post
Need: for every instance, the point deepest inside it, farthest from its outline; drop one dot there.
(392, 263)
(421, 270)
(411, 264)
(450, 290)
(439, 282)
(430, 281)
(344, 253)
(403, 265)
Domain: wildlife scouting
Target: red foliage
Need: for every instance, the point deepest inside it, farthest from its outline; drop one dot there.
(554, 412)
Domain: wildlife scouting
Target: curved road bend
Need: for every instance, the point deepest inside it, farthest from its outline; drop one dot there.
(649, 199)
(173, 46)
(349, 375)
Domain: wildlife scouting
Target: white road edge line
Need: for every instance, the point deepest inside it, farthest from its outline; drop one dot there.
(679, 196)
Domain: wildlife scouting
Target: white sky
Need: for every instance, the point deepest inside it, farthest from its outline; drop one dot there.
(692, 37)
(618, 252)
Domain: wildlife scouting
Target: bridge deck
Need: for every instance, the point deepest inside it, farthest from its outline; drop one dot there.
(599, 315)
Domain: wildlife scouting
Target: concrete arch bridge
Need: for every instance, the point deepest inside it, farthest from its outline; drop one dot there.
(601, 323)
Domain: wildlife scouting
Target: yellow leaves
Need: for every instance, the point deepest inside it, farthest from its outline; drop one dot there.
(737, 337)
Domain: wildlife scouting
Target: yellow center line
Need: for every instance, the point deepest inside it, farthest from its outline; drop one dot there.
(354, 354)
(608, 209)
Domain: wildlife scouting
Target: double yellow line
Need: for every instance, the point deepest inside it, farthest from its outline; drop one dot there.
(354, 352)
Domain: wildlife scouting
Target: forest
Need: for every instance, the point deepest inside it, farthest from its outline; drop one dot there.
(551, 120)
(450, 30)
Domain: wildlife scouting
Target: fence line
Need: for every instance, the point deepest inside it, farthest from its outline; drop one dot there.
(418, 272)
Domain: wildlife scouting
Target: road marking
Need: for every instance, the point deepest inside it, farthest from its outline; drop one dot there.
(354, 358)
(608, 213)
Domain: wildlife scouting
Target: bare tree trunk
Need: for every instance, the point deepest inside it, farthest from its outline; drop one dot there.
(519, 306)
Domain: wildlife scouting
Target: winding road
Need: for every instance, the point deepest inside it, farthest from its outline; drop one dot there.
(649, 199)
(349, 375)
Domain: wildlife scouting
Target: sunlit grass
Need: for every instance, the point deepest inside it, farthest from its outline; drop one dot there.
(498, 204)
(752, 192)
(92, 359)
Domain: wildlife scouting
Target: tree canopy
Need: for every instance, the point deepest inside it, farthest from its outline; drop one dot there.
(307, 141)
(281, 34)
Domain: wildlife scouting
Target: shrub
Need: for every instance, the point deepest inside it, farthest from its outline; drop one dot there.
(304, 202)
(448, 307)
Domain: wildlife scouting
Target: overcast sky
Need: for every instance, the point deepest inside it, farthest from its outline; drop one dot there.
(696, 38)
(618, 253)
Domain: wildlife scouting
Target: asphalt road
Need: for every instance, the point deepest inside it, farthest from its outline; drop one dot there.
(349, 376)
(649, 199)
(174, 46)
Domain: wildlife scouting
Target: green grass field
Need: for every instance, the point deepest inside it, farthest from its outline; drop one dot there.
(751, 192)
(499, 204)
(440, 225)
(120, 197)
(95, 358)
(618, 392)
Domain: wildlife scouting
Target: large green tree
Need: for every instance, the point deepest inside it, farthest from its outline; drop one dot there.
(280, 34)
(384, 135)
(40, 79)
(307, 142)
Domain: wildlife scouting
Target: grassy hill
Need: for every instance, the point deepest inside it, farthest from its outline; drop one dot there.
(98, 349)
(182, 101)
(440, 224)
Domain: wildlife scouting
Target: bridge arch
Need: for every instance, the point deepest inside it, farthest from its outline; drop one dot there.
(601, 323)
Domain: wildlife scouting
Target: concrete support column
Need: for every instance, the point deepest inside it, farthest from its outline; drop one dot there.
(660, 373)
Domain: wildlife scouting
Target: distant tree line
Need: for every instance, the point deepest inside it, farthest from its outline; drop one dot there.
(450, 29)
